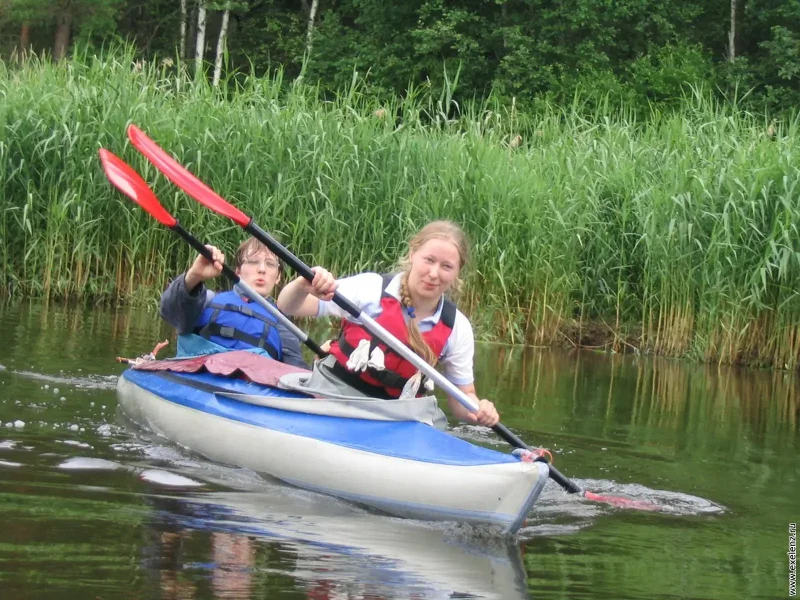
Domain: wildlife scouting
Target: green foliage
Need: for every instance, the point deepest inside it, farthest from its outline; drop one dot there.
(267, 36)
(667, 74)
(635, 51)
(784, 48)
(679, 232)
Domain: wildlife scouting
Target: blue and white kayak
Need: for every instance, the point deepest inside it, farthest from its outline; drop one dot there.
(403, 468)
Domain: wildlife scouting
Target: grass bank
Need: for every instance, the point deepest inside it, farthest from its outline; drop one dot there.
(677, 235)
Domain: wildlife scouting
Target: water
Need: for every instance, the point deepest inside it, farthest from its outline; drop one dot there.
(94, 507)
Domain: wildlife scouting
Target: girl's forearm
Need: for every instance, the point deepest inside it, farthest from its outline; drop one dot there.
(295, 300)
(459, 411)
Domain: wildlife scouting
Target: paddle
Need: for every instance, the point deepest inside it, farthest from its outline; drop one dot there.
(132, 185)
(196, 189)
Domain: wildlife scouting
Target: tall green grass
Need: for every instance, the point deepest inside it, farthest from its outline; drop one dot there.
(676, 235)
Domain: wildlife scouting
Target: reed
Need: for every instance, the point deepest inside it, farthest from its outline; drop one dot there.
(677, 233)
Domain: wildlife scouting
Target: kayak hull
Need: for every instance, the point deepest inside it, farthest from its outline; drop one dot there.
(434, 477)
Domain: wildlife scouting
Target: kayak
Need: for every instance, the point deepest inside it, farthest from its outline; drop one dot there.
(402, 467)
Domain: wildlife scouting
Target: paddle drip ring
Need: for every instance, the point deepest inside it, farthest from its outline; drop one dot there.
(534, 454)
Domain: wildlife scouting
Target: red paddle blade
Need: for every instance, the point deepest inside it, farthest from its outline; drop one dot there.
(621, 501)
(130, 183)
(181, 177)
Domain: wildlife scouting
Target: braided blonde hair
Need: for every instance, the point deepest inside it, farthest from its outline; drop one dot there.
(443, 230)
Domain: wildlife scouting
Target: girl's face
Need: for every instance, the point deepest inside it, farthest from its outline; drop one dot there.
(260, 272)
(434, 267)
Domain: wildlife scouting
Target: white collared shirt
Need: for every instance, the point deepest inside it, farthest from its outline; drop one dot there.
(364, 290)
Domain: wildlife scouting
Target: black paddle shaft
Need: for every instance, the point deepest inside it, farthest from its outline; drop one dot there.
(297, 265)
(205, 252)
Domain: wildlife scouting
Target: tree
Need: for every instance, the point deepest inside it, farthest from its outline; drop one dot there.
(200, 45)
(223, 32)
(309, 34)
(63, 31)
(182, 47)
(24, 38)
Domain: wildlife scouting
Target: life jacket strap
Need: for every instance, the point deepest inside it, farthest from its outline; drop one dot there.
(245, 310)
(354, 381)
(215, 329)
(387, 378)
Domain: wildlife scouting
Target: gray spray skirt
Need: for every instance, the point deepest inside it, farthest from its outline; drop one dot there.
(341, 400)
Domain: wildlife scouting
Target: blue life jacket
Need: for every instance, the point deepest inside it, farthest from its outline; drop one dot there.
(238, 325)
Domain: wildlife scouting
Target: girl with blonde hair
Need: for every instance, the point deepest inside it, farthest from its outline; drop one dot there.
(414, 306)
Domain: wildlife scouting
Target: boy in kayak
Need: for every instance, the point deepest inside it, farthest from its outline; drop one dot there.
(208, 322)
(411, 304)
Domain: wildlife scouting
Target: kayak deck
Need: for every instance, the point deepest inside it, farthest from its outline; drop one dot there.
(404, 439)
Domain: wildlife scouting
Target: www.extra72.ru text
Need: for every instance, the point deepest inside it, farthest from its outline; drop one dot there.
(792, 560)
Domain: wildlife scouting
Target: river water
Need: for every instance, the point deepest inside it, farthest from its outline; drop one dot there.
(93, 506)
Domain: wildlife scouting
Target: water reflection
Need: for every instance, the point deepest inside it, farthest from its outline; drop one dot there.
(628, 393)
(234, 556)
(329, 549)
(52, 336)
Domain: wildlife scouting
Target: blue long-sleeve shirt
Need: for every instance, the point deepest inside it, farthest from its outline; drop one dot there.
(181, 308)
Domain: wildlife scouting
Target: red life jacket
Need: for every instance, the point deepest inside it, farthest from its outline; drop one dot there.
(389, 382)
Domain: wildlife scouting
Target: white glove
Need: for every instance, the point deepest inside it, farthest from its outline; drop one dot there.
(376, 360)
(360, 357)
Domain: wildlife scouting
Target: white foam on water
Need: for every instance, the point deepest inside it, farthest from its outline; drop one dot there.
(81, 463)
(477, 433)
(554, 502)
(8, 463)
(74, 443)
(106, 429)
(95, 488)
(7, 445)
(168, 479)
(128, 447)
(548, 529)
(164, 453)
(19, 424)
(665, 501)
(90, 382)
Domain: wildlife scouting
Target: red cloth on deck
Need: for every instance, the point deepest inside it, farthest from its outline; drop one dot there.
(236, 363)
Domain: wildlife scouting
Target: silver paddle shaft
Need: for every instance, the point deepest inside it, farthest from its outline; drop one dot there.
(273, 310)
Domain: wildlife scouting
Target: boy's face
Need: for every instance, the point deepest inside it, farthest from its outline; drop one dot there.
(260, 271)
